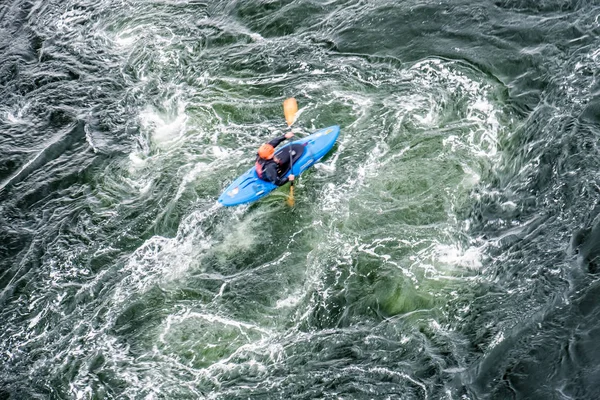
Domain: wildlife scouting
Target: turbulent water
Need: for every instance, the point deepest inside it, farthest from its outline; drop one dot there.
(447, 248)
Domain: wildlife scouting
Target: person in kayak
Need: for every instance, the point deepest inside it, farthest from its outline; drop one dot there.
(272, 167)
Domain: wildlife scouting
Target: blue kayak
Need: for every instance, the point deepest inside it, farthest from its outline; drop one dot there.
(249, 187)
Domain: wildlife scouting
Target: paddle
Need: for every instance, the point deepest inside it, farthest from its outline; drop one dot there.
(290, 108)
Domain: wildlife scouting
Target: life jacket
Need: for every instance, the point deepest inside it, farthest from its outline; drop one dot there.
(258, 165)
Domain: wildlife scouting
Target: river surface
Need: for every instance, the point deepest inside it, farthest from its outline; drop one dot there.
(447, 248)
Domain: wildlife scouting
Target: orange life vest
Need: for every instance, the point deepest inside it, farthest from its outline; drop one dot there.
(259, 168)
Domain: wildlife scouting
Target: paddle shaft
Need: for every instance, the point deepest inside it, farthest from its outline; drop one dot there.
(292, 164)
(290, 108)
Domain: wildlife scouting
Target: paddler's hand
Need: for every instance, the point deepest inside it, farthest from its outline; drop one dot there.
(289, 135)
(291, 178)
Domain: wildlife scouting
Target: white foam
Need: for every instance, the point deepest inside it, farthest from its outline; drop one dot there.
(126, 39)
(162, 259)
(290, 301)
(191, 176)
(453, 255)
(17, 119)
(496, 340)
(165, 129)
(136, 160)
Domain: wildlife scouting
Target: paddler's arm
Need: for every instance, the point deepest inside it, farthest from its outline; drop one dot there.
(281, 181)
(277, 141)
(270, 173)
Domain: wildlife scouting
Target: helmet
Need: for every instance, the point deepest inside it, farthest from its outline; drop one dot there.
(266, 151)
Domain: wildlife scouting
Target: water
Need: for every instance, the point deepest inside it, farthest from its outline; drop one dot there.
(447, 248)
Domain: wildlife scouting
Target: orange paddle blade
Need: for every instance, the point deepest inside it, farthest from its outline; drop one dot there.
(290, 199)
(290, 108)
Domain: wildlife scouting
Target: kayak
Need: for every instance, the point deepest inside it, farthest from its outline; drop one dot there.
(249, 187)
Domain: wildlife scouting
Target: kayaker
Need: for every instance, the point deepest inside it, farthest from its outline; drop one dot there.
(271, 167)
